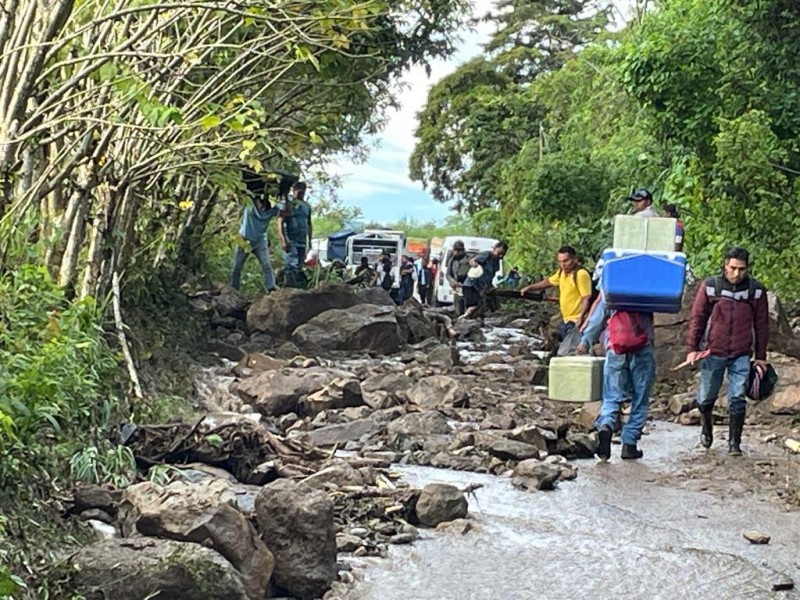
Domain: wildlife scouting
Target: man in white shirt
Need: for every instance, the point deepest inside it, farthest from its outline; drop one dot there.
(642, 201)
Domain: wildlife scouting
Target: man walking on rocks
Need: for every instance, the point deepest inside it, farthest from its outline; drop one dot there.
(456, 273)
(629, 366)
(731, 312)
(294, 228)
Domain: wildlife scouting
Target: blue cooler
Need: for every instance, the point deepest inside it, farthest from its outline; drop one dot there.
(643, 281)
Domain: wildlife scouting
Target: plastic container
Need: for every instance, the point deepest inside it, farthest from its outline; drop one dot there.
(653, 234)
(575, 378)
(643, 281)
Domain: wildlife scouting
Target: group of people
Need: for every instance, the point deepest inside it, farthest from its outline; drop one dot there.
(729, 324)
(293, 215)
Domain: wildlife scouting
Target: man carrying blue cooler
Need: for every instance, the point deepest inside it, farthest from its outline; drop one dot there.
(630, 365)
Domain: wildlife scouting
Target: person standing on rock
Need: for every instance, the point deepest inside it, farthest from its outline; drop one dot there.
(406, 279)
(253, 231)
(476, 288)
(731, 313)
(574, 290)
(456, 274)
(294, 228)
(630, 366)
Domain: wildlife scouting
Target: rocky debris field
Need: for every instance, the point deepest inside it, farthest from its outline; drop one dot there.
(310, 397)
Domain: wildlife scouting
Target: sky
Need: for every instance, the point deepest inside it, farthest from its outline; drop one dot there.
(381, 187)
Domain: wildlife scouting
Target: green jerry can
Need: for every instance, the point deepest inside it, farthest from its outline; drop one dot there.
(575, 378)
(653, 234)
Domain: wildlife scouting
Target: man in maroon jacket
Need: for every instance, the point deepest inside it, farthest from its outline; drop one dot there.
(731, 312)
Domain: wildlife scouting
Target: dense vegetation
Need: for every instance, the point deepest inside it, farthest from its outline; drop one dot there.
(698, 101)
(123, 126)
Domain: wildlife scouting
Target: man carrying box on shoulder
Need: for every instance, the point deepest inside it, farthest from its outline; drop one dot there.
(630, 365)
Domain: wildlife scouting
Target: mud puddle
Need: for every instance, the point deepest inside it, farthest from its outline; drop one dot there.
(621, 530)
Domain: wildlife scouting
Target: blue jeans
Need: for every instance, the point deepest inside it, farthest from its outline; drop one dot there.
(564, 329)
(295, 257)
(261, 251)
(622, 373)
(711, 374)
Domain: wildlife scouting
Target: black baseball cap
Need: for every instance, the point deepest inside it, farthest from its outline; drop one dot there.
(641, 194)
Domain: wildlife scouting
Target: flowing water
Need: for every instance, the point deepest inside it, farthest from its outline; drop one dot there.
(620, 530)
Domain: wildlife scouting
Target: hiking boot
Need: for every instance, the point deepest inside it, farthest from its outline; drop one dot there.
(735, 434)
(630, 451)
(707, 424)
(604, 443)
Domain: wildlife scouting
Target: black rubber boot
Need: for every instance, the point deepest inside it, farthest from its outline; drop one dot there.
(707, 423)
(604, 443)
(735, 434)
(630, 451)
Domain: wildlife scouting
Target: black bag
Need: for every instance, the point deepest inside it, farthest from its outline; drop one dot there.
(761, 384)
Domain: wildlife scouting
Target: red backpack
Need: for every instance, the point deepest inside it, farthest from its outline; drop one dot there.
(627, 332)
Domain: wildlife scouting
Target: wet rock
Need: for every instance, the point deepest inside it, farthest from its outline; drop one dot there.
(280, 313)
(402, 538)
(341, 433)
(197, 472)
(582, 446)
(354, 413)
(414, 325)
(491, 359)
(95, 514)
(436, 443)
(339, 474)
(296, 523)
(437, 390)
(347, 543)
(782, 583)
(440, 502)
(457, 526)
(690, 418)
(506, 449)
(287, 350)
(785, 400)
(534, 475)
(530, 372)
(469, 330)
(385, 390)
(680, 404)
(532, 435)
(275, 393)
(199, 513)
(756, 537)
(257, 362)
(498, 422)
(93, 496)
(424, 423)
(339, 393)
(132, 569)
(444, 356)
(363, 327)
(223, 350)
(588, 414)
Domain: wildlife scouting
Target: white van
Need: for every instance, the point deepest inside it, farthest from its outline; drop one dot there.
(442, 291)
(371, 244)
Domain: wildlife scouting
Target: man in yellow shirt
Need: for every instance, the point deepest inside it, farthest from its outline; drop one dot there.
(574, 290)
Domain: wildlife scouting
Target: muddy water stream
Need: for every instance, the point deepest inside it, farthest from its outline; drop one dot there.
(620, 530)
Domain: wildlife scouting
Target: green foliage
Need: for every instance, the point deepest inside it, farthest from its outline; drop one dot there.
(115, 465)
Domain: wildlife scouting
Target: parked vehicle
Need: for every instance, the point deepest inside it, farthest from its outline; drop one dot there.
(371, 244)
(442, 291)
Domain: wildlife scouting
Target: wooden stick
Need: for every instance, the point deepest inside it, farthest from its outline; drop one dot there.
(123, 341)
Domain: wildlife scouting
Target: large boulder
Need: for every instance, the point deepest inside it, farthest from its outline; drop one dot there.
(440, 502)
(437, 390)
(132, 569)
(785, 400)
(426, 423)
(339, 393)
(278, 392)
(199, 513)
(279, 313)
(363, 327)
(296, 523)
(223, 301)
(671, 331)
(414, 325)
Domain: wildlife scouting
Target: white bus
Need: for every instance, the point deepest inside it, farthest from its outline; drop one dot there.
(442, 291)
(371, 244)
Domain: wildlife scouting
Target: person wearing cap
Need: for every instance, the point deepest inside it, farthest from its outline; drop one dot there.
(480, 278)
(642, 201)
(671, 211)
(456, 274)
